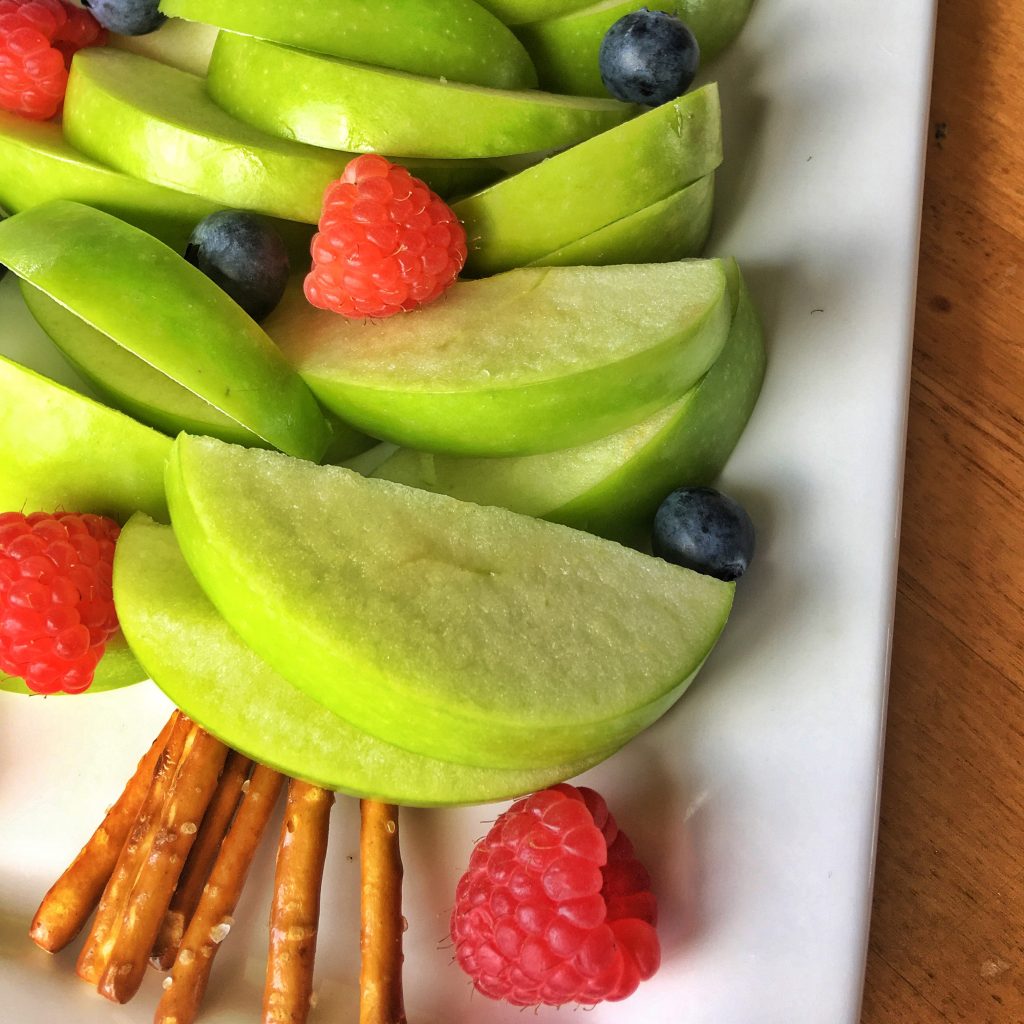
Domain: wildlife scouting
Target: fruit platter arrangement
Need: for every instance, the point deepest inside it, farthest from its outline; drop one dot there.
(395, 384)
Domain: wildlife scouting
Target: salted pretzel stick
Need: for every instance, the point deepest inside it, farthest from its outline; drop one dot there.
(295, 910)
(212, 919)
(201, 860)
(73, 897)
(93, 958)
(174, 833)
(382, 924)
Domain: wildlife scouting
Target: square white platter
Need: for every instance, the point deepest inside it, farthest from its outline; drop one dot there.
(754, 802)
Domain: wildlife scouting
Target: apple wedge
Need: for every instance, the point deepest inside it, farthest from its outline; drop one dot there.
(140, 294)
(464, 633)
(613, 486)
(457, 39)
(157, 123)
(203, 666)
(117, 668)
(62, 450)
(37, 165)
(534, 360)
(596, 183)
(182, 44)
(565, 49)
(340, 104)
(674, 229)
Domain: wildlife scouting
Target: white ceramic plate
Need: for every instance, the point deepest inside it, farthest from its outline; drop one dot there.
(754, 802)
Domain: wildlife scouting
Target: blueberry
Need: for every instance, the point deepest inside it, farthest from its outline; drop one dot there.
(648, 57)
(127, 17)
(243, 254)
(702, 529)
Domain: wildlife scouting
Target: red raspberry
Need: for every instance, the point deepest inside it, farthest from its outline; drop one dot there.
(386, 243)
(555, 908)
(38, 38)
(56, 603)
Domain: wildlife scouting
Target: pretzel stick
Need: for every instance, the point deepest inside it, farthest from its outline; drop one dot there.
(174, 832)
(212, 919)
(295, 911)
(73, 897)
(201, 860)
(93, 958)
(382, 924)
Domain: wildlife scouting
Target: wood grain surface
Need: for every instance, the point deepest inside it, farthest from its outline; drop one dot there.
(947, 936)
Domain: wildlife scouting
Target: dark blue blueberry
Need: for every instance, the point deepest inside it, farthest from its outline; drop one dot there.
(702, 529)
(648, 57)
(127, 17)
(243, 254)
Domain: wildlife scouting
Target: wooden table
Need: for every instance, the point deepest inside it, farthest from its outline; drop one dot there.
(947, 937)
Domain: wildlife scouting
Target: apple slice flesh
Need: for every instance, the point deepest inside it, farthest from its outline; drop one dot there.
(465, 633)
(182, 44)
(613, 486)
(674, 229)
(537, 211)
(61, 450)
(117, 668)
(203, 666)
(139, 293)
(455, 39)
(37, 165)
(565, 49)
(340, 104)
(537, 359)
(157, 123)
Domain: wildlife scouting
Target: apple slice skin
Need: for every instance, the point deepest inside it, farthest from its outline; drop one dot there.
(37, 165)
(533, 213)
(339, 104)
(456, 39)
(518, 12)
(674, 229)
(61, 450)
(422, 383)
(157, 123)
(456, 631)
(613, 486)
(117, 668)
(565, 49)
(202, 665)
(138, 292)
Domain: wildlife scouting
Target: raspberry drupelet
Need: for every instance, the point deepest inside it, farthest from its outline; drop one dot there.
(555, 908)
(38, 38)
(385, 243)
(56, 602)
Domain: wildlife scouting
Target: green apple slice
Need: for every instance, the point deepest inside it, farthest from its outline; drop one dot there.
(456, 39)
(157, 123)
(339, 104)
(61, 450)
(600, 181)
(127, 382)
(204, 667)
(146, 298)
(612, 487)
(534, 360)
(565, 49)
(518, 12)
(464, 633)
(117, 668)
(674, 229)
(37, 165)
(182, 44)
